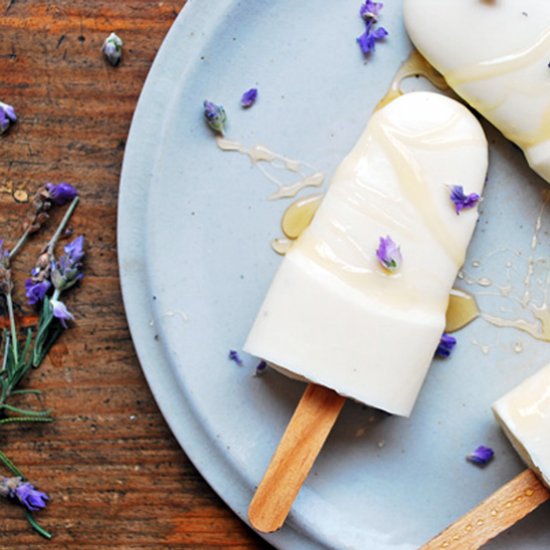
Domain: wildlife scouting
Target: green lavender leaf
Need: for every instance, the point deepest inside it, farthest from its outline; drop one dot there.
(37, 527)
(25, 412)
(10, 465)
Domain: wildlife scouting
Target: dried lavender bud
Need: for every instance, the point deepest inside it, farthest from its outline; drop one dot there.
(112, 49)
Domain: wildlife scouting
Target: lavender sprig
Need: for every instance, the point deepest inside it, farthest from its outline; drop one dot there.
(20, 357)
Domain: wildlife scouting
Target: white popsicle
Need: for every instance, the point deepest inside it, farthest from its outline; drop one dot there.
(333, 315)
(494, 54)
(524, 415)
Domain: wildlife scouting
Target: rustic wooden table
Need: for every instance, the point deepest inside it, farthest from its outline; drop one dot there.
(116, 476)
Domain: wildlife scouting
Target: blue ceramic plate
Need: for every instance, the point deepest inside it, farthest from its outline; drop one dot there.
(195, 228)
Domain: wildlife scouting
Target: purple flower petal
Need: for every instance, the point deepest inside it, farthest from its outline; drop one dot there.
(367, 41)
(249, 98)
(461, 200)
(60, 311)
(36, 291)
(30, 497)
(481, 456)
(234, 356)
(389, 254)
(61, 193)
(68, 271)
(446, 345)
(370, 10)
(75, 249)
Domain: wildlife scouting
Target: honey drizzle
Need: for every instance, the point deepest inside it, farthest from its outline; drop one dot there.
(259, 153)
(414, 65)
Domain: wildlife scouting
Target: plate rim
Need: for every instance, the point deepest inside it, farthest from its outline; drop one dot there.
(136, 175)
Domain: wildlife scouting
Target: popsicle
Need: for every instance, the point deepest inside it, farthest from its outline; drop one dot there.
(495, 54)
(524, 415)
(334, 316)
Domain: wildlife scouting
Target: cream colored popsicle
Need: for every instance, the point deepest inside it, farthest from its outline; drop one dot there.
(524, 415)
(494, 54)
(333, 315)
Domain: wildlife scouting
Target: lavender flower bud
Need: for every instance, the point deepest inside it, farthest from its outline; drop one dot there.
(462, 201)
(215, 116)
(7, 116)
(60, 311)
(24, 492)
(6, 284)
(446, 345)
(36, 291)
(249, 98)
(389, 254)
(112, 49)
(481, 456)
(61, 193)
(67, 272)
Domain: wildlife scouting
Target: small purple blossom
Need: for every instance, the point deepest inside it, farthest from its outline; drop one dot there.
(7, 116)
(112, 49)
(24, 492)
(389, 254)
(461, 200)
(235, 357)
(445, 346)
(369, 10)
(36, 291)
(481, 456)
(367, 41)
(60, 311)
(215, 116)
(75, 250)
(61, 193)
(249, 98)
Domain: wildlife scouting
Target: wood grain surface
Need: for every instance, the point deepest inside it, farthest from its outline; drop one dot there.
(116, 476)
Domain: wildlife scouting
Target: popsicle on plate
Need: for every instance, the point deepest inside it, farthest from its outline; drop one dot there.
(494, 54)
(524, 415)
(333, 314)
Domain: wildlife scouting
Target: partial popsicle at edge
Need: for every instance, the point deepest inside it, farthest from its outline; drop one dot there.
(334, 316)
(524, 415)
(495, 55)
(504, 508)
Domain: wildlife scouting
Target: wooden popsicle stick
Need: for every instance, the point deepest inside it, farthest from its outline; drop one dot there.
(501, 510)
(304, 437)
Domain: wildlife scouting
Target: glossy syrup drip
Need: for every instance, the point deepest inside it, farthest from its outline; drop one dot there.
(414, 65)
(260, 154)
(462, 309)
(295, 219)
(537, 324)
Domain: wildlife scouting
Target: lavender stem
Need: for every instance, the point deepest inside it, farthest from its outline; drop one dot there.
(19, 244)
(53, 241)
(12, 326)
